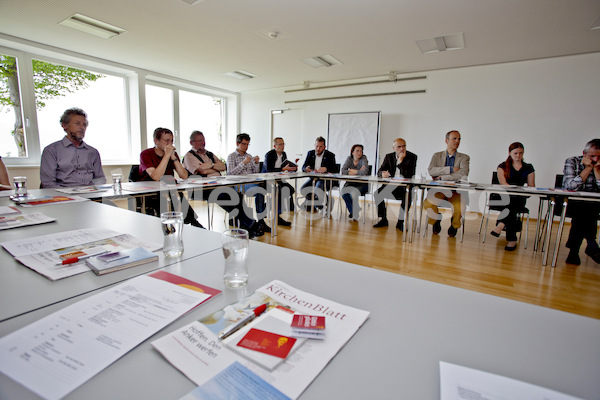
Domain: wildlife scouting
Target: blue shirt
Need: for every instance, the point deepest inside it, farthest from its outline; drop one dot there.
(64, 164)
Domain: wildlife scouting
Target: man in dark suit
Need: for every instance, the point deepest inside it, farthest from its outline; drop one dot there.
(320, 161)
(400, 163)
(276, 161)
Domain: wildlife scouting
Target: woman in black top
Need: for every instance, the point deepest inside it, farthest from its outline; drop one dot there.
(513, 171)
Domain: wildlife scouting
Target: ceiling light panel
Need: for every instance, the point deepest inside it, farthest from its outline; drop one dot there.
(326, 60)
(442, 43)
(92, 26)
(240, 74)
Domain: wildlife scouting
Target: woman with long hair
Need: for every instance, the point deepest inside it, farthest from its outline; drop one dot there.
(513, 171)
(356, 164)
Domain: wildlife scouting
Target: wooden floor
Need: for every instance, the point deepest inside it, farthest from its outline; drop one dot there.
(482, 267)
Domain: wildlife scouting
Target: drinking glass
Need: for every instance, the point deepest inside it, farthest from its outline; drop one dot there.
(20, 184)
(235, 249)
(117, 179)
(172, 226)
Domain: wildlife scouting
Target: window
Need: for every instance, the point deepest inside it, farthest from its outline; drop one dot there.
(198, 112)
(12, 130)
(159, 111)
(44, 88)
(101, 96)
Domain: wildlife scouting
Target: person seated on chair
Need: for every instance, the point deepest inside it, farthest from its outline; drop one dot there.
(199, 161)
(582, 173)
(160, 161)
(4, 179)
(276, 161)
(513, 171)
(447, 165)
(357, 165)
(240, 162)
(320, 161)
(400, 163)
(71, 161)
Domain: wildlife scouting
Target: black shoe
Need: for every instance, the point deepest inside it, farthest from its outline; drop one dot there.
(255, 230)
(350, 216)
(494, 234)
(194, 222)
(264, 227)
(283, 222)
(513, 248)
(573, 258)
(452, 231)
(400, 225)
(593, 252)
(437, 227)
(381, 224)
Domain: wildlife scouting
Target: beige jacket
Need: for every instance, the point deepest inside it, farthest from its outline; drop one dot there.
(437, 168)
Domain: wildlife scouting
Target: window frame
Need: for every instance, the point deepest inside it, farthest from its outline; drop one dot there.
(135, 80)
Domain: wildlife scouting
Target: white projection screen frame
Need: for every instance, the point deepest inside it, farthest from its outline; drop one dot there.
(347, 129)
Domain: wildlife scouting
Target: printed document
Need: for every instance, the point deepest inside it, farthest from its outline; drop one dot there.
(58, 353)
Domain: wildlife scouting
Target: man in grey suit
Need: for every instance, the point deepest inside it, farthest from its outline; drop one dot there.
(448, 165)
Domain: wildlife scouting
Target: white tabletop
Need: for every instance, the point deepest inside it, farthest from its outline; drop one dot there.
(413, 325)
(23, 290)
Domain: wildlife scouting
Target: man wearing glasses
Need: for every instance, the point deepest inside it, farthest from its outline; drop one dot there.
(160, 161)
(199, 161)
(240, 162)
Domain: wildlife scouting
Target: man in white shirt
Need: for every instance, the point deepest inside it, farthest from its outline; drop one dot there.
(321, 161)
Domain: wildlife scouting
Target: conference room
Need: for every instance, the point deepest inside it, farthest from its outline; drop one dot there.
(498, 73)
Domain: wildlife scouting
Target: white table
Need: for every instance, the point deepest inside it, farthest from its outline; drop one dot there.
(23, 290)
(395, 355)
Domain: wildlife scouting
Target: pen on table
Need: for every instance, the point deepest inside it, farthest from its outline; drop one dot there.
(73, 260)
(238, 325)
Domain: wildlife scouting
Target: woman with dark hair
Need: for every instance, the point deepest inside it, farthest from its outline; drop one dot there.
(356, 164)
(513, 171)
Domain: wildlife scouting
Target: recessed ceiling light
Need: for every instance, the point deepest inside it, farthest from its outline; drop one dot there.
(596, 24)
(326, 60)
(442, 43)
(92, 26)
(193, 2)
(241, 74)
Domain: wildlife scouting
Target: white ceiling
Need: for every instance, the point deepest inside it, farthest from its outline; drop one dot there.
(370, 37)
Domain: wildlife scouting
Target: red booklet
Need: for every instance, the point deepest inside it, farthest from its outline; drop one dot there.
(310, 326)
(267, 342)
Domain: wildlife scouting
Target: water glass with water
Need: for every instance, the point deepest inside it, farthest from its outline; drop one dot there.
(235, 249)
(172, 226)
(117, 178)
(20, 184)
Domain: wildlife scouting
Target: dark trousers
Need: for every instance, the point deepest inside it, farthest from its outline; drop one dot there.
(511, 220)
(584, 223)
(398, 193)
(158, 204)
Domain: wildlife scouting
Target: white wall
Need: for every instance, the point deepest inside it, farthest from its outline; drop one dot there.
(552, 106)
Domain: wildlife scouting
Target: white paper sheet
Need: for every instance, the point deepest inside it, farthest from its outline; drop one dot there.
(58, 353)
(462, 383)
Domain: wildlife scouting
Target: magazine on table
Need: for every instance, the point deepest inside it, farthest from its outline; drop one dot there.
(64, 254)
(198, 353)
(16, 221)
